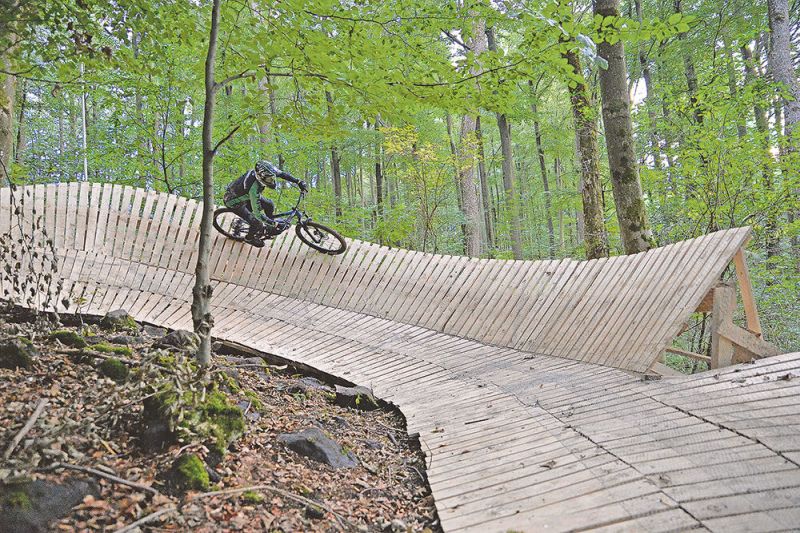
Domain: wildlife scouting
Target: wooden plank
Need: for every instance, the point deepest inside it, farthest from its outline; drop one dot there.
(724, 307)
(746, 290)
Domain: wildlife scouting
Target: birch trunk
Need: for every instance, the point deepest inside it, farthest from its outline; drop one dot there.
(8, 89)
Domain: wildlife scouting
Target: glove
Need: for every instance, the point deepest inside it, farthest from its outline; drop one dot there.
(302, 185)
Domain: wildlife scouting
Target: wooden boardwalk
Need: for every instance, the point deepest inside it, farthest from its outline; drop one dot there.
(521, 378)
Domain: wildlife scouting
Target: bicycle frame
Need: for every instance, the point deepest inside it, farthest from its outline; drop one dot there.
(294, 212)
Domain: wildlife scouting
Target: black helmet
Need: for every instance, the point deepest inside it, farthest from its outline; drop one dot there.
(265, 173)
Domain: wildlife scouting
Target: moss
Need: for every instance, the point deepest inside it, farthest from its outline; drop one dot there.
(120, 324)
(252, 496)
(189, 473)
(225, 421)
(255, 400)
(166, 360)
(104, 347)
(114, 369)
(18, 499)
(69, 338)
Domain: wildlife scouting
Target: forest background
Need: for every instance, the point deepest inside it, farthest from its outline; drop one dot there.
(455, 127)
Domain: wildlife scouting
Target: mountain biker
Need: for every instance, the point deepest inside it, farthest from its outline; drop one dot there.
(243, 197)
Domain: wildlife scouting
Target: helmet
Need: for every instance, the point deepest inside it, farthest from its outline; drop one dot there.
(265, 173)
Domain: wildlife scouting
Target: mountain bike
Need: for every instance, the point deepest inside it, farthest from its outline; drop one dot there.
(313, 234)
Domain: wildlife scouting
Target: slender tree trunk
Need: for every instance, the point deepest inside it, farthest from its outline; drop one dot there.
(512, 203)
(485, 198)
(772, 244)
(782, 70)
(585, 118)
(378, 178)
(335, 170)
(644, 63)
(202, 291)
(459, 194)
(19, 152)
(8, 90)
(741, 128)
(634, 226)
(548, 203)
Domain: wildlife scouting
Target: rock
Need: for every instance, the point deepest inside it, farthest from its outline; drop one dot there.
(373, 444)
(398, 526)
(119, 320)
(156, 436)
(33, 505)
(355, 397)
(114, 369)
(188, 472)
(340, 421)
(154, 331)
(314, 383)
(17, 352)
(70, 338)
(127, 340)
(180, 339)
(316, 445)
(315, 512)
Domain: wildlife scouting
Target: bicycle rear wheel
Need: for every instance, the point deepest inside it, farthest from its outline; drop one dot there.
(230, 224)
(321, 238)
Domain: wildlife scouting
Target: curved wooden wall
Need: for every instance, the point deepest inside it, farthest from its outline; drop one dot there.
(619, 312)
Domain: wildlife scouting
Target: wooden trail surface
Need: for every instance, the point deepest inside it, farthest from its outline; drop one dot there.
(517, 375)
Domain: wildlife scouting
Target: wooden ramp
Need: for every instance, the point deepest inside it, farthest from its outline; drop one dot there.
(509, 371)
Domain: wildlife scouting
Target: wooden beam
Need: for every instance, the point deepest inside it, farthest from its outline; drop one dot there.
(724, 306)
(691, 355)
(747, 340)
(746, 289)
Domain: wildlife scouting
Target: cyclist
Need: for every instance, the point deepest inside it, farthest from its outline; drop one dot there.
(243, 197)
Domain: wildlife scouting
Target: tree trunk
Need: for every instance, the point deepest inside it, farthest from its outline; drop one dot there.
(378, 177)
(634, 227)
(8, 89)
(772, 243)
(741, 128)
(585, 118)
(691, 75)
(20, 149)
(459, 196)
(512, 203)
(202, 291)
(644, 63)
(782, 69)
(548, 202)
(485, 198)
(335, 171)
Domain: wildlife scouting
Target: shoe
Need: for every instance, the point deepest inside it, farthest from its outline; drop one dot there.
(253, 241)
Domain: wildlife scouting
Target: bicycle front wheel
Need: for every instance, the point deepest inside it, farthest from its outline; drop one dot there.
(321, 238)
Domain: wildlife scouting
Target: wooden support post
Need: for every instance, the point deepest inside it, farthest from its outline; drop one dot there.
(724, 306)
(746, 289)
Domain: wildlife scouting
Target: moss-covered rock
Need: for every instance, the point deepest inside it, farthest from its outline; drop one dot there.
(17, 352)
(67, 337)
(114, 369)
(119, 320)
(214, 421)
(188, 472)
(104, 347)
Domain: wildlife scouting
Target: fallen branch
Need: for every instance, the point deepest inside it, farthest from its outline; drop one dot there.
(26, 428)
(104, 475)
(300, 499)
(146, 519)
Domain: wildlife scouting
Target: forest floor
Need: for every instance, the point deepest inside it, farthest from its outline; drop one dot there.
(90, 426)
